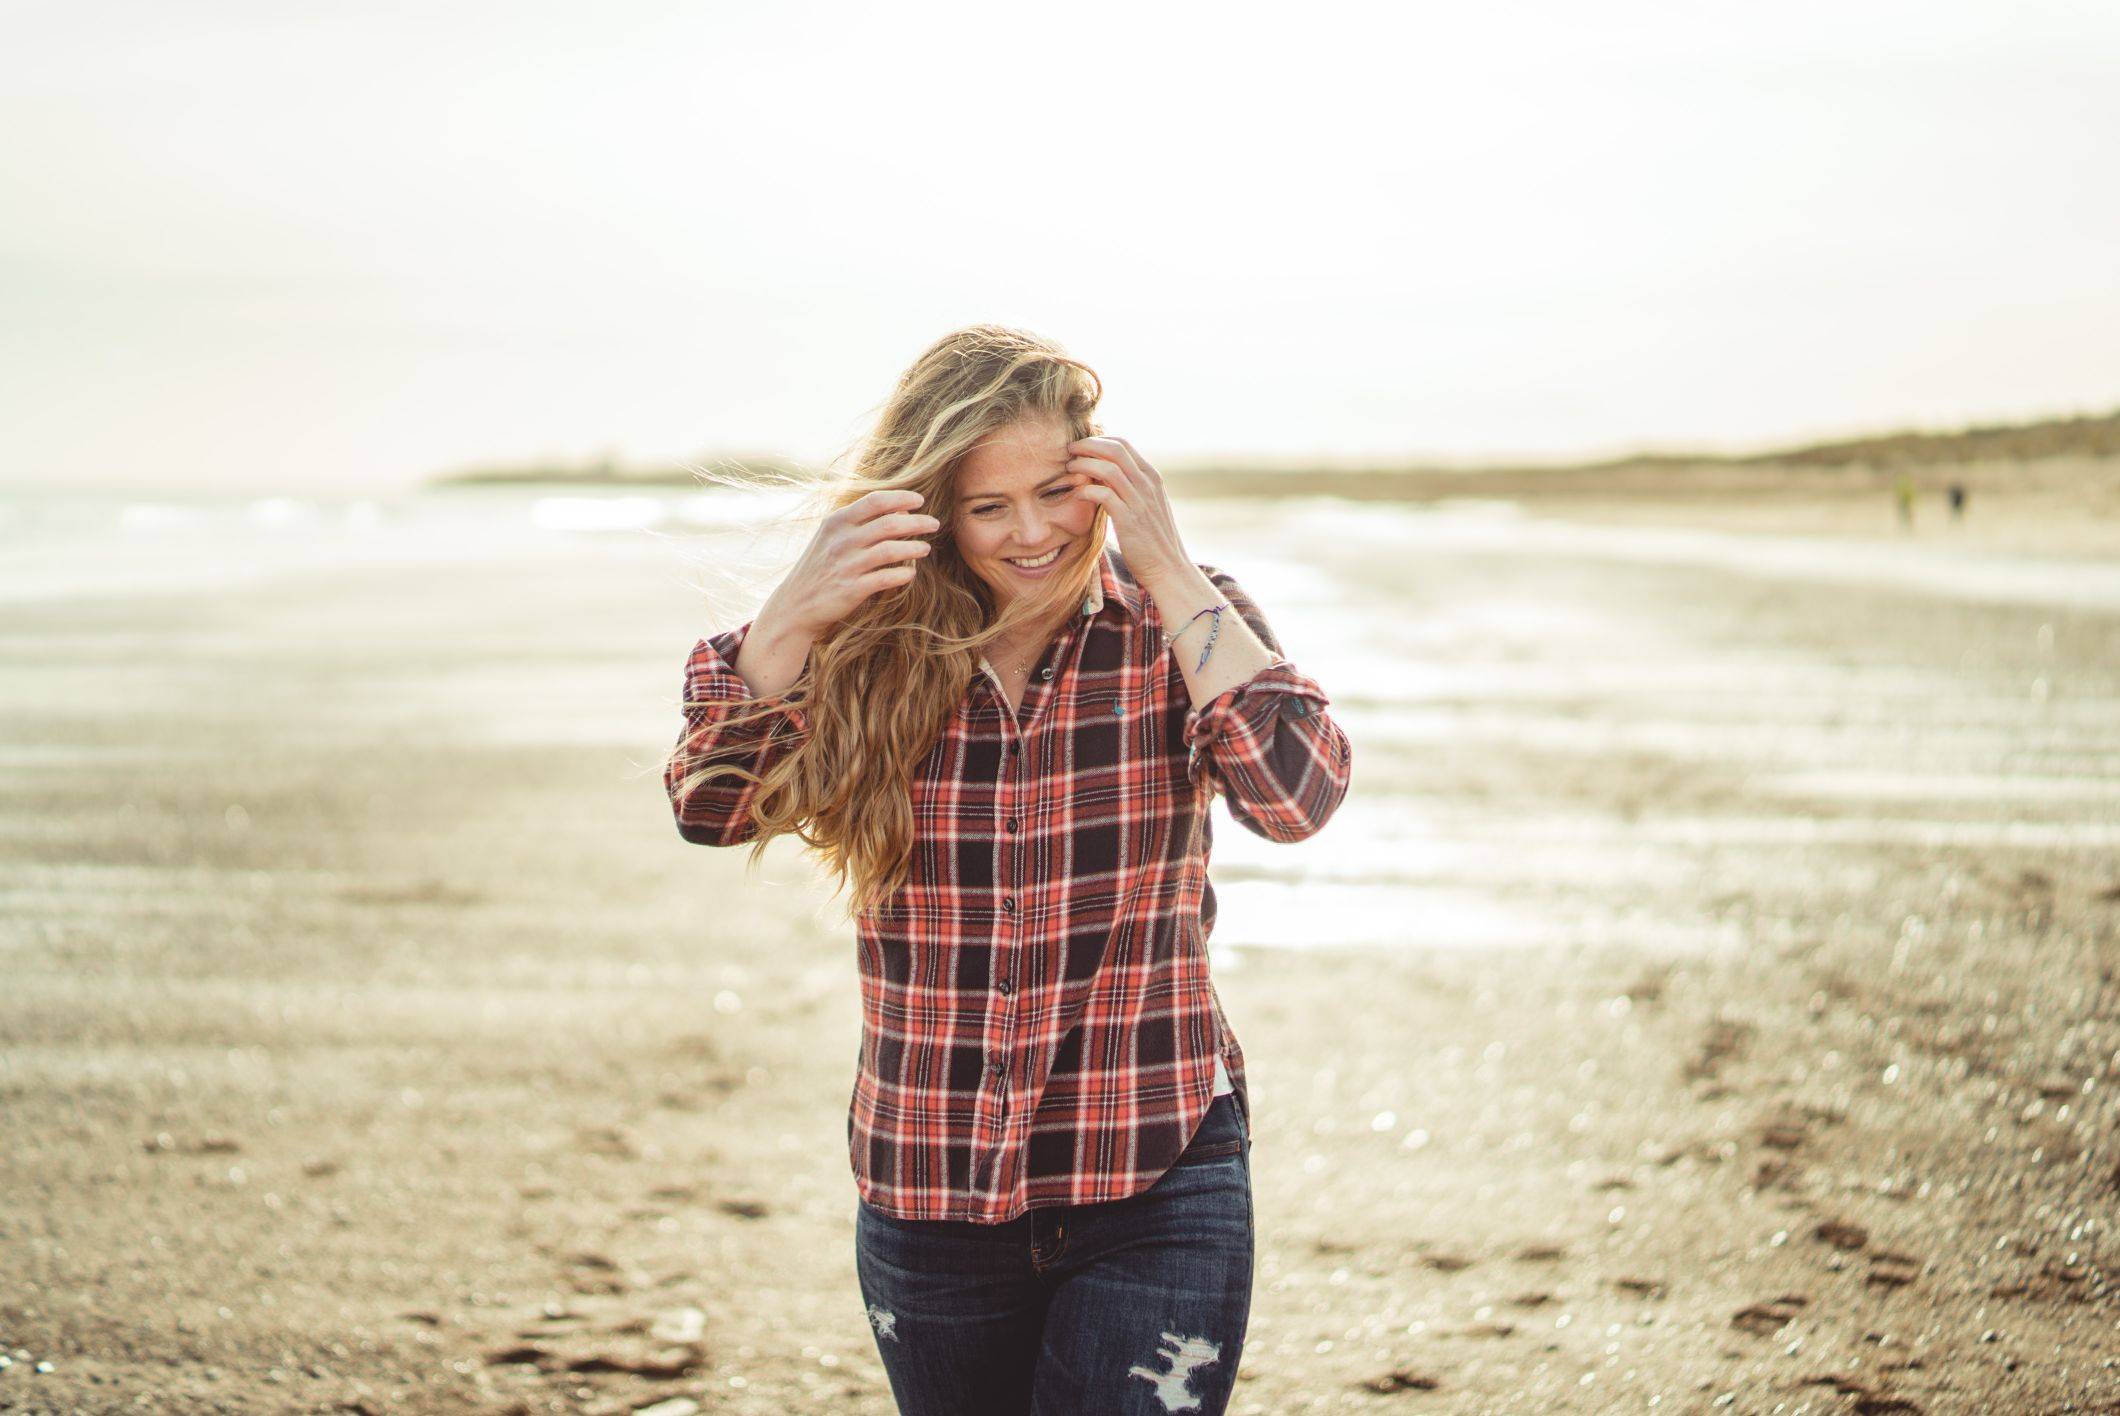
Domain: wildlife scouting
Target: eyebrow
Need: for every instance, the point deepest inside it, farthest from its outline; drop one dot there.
(982, 496)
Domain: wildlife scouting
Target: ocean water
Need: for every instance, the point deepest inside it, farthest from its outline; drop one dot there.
(1563, 734)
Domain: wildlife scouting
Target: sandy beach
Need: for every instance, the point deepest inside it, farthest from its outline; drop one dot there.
(1705, 1001)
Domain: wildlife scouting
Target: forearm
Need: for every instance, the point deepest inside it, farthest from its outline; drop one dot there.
(714, 807)
(1239, 654)
(773, 653)
(1257, 730)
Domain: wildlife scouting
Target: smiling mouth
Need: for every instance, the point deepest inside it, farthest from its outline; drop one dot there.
(1036, 562)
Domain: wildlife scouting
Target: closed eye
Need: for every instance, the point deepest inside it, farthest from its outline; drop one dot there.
(997, 506)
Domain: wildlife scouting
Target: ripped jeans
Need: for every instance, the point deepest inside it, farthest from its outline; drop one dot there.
(1129, 1306)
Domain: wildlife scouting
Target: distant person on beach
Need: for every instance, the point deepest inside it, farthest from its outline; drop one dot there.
(1957, 496)
(1903, 492)
(1007, 735)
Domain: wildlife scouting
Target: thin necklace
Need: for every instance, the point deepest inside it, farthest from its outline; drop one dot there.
(1017, 672)
(1025, 670)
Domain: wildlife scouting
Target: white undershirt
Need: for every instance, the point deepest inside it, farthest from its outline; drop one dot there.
(1221, 1077)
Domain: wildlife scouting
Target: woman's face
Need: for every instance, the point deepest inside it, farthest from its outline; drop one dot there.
(1016, 501)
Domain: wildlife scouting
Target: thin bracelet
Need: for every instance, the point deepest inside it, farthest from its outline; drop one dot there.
(1216, 610)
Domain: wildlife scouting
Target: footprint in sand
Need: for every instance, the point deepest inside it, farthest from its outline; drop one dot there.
(1888, 1270)
(1766, 1319)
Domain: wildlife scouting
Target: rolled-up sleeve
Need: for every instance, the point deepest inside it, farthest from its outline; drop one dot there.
(718, 813)
(1268, 745)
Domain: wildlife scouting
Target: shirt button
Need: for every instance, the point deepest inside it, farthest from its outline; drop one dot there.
(1118, 706)
(1006, 987)
(1046, 674)
(1012, 823)
(1008, 902)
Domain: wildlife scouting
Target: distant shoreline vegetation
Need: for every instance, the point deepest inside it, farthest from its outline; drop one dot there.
(2086, 436)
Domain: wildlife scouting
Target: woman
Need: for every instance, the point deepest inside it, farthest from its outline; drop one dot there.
(1007, 734)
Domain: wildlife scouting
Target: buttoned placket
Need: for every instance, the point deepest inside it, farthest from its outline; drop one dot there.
(1006, 952)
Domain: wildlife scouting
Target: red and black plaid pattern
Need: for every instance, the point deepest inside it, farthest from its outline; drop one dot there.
(1038, 1023)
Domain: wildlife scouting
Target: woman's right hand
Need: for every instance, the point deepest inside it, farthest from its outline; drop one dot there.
(866, 546)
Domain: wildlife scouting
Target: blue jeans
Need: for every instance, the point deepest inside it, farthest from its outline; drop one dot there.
(1133, 1305)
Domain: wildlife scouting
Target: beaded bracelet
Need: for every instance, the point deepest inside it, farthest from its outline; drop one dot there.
(1216, 610)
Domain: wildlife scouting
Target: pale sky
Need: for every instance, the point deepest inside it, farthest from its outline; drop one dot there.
(248, 245)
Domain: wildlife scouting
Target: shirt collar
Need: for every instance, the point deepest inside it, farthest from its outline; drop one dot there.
(1114, 585)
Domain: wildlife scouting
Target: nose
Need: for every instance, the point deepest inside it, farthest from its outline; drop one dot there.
(1032, 531)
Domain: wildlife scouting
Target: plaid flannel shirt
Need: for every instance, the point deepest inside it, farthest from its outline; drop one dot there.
(1038, 1022)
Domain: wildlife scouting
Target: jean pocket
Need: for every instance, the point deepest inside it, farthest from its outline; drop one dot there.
(1221, 1134)
(1201, 1154)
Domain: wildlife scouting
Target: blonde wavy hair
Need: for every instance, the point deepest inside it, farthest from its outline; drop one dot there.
(882, 684)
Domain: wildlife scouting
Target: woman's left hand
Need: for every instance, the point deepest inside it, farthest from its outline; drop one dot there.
(1131, 490)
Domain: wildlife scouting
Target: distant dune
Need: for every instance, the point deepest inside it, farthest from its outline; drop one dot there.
(2091, 436)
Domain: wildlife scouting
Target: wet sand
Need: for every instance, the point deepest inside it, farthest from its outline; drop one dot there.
(1718, 1009)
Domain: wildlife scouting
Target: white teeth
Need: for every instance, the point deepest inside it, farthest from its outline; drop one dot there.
(1046, 559)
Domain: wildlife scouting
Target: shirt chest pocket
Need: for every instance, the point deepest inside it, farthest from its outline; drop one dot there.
(1125, 756)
